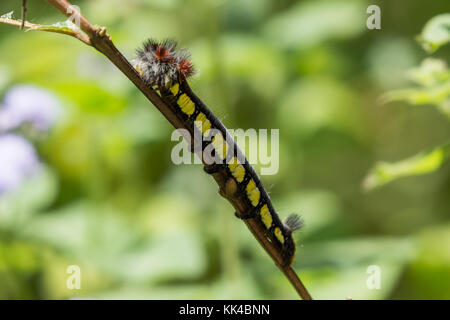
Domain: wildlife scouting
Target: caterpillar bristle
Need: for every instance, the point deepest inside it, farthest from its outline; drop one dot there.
(184, 64)
(293, 222)
(161, 64)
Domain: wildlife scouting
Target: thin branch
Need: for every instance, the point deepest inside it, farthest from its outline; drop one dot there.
(100, 40)
(18, 23)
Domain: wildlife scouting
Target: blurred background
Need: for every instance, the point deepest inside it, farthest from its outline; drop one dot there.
(86, 177)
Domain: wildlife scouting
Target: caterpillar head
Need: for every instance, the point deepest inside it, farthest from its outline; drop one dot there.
(161, 64)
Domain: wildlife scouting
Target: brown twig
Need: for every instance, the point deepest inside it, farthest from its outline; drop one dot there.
(24, 13)
(100, 40)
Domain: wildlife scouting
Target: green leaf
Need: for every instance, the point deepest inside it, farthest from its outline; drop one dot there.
(436, 33)
(433, 78)
(431, 72)
(427, 162)
(66, 26)
(438, 96)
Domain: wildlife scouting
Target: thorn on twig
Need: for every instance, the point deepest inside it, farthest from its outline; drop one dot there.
(102, 31)
(24, 11)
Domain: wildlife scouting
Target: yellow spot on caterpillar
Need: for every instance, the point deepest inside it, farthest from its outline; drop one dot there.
(237, 169)
(233, 164)
(139, 70)
(265, 216)
(205, 123)
(220, 146)
(279, 235)
(175, 89)
(186, 104)
(253, 193)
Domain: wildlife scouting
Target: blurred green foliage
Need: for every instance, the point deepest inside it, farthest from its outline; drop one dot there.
(109, 199)
(432, 88)
(436, 32)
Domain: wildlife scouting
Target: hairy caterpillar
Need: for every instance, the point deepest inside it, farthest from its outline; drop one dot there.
(162, 66)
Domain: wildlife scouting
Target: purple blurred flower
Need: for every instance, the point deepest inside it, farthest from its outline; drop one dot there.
(18, 160)
(28, 104)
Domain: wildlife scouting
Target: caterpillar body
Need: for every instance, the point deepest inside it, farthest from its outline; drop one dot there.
(164, 67)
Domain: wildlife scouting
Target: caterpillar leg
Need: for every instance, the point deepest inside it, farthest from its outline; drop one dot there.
(288, 252)
(246, 215)
(213, 168)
